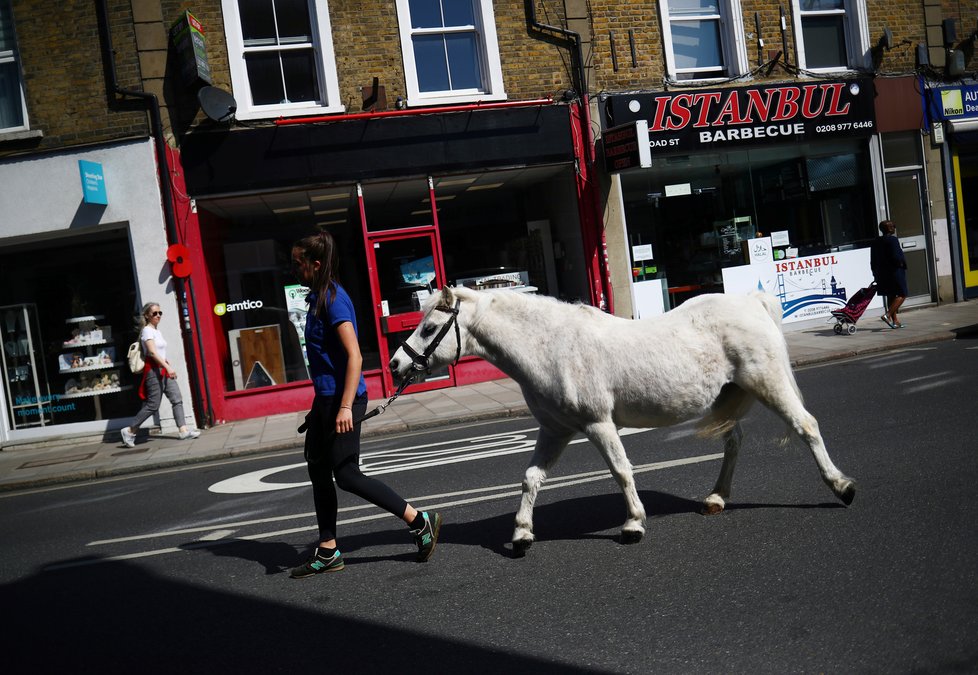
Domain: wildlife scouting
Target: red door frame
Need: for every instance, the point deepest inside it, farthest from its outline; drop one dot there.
(408, 320)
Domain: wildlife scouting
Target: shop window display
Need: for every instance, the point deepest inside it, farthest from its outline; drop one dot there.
(60, 328)
(260, 309)
(698, 212)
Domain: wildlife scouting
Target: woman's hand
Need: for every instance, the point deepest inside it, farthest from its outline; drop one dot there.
(344, 420)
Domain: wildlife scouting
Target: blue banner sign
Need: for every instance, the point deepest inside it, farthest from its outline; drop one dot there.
(954, 103)
(93, 182)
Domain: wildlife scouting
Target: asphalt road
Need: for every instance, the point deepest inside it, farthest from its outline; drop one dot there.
(185, 571)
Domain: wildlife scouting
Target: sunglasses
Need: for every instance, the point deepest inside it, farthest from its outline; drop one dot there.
(156, 313)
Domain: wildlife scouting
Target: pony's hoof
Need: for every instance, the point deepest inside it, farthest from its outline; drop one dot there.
(520, 546)
(847, 493)
(713, 505)
(631, 536)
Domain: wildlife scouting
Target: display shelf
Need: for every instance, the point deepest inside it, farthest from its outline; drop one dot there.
(84, 369)
(94, 343)
(80, 319)
(25, 377)
(95, 392)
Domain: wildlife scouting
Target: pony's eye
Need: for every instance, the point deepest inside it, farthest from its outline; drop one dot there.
(427, 331)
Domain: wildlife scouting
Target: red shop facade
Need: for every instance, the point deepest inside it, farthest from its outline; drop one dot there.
(496, 196)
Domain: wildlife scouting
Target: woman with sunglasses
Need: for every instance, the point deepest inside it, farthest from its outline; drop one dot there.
(332, 445)
(159, 378)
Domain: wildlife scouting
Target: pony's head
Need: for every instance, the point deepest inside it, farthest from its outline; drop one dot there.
(436, 341)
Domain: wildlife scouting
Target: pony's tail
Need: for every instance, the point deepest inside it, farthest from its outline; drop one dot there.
(729, 407)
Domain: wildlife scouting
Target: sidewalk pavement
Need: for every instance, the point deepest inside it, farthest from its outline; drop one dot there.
(53, 462)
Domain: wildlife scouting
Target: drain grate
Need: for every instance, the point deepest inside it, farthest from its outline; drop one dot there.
(57, 460)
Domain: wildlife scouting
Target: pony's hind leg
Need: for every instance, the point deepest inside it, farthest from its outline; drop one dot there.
(785, 400)
(548, 447)
(715, 502)
(605, 436)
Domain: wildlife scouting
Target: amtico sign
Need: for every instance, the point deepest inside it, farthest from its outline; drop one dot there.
(712, 120)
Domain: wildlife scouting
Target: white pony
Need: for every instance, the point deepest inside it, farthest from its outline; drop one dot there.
(582, 370)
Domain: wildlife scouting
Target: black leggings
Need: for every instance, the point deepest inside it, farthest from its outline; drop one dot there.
(350, 479)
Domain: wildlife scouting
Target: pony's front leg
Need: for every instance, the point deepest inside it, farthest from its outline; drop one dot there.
(548, 448)
(715, 502)
(605, 436)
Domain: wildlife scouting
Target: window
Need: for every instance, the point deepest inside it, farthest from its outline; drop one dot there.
(450, 51)
(13, 113)
(703, 39)
(831, 34)
(281, 57)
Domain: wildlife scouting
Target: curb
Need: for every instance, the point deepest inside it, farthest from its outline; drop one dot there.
(84, 476)
(840, 356)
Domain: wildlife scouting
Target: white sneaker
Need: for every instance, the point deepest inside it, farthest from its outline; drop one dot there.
(128, 437)
(189, 433)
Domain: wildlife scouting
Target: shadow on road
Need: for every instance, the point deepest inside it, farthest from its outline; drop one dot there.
(119, 618)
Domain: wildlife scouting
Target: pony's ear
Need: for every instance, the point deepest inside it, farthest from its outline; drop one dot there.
(447, 295)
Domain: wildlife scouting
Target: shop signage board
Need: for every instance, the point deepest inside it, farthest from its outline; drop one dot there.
(93, 182)
(809, 287)
(734, 117)
(953, 103)
(187, 36)
(627, 147)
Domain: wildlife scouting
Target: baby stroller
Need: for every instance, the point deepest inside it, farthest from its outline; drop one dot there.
(846, 317)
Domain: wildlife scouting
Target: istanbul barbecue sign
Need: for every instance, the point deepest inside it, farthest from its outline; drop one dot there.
(733, 117)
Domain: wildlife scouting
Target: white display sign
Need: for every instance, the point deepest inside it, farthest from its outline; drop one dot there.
(780, 238)
(809, 287)
(759, 250)
(642, 252)
(649, 298)
(678, 190)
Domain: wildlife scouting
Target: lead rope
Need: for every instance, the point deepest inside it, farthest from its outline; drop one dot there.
(373, 413)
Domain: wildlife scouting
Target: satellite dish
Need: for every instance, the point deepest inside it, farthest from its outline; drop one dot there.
(217, 104)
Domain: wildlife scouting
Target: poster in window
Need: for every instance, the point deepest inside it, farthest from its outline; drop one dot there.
(295, 305)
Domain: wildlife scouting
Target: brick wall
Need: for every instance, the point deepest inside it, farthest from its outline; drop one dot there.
(66, 89)
(366, 41)
(905, 19)
(64, 79)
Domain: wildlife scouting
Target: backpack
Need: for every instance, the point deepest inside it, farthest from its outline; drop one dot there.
(135, 357)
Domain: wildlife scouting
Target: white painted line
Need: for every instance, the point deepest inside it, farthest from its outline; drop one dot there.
(410, 458)
(429, 502)
(215, 535)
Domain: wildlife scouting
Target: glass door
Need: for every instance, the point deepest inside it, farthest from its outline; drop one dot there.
(406, 268)
(905, 198)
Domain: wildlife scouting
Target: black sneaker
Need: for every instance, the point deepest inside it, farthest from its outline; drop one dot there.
(427, 536)
(317, 565)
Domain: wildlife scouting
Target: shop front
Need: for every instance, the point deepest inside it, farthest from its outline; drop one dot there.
(953, 111)
(743, 187)
(482, 198)
(83, 246)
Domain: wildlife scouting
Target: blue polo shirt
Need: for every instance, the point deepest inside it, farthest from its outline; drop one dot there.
(327, 358)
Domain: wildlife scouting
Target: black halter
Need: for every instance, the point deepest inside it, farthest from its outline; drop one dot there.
(420, 361)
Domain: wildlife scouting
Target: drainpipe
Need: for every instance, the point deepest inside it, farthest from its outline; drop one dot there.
(606, 300)
(163, 167)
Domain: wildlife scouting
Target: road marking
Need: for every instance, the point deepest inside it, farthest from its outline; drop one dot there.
(410, 458)
(440, 501)
(932, 385)
(927, 377)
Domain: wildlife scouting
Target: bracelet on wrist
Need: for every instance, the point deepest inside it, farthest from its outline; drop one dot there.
(348, 407)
